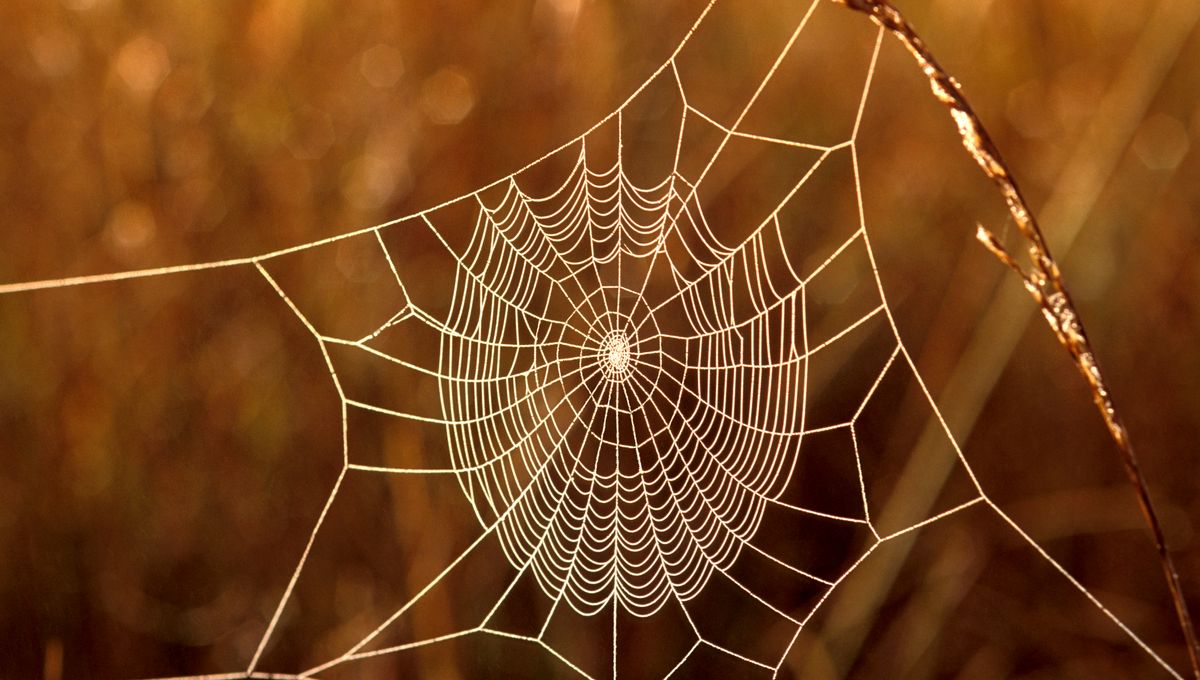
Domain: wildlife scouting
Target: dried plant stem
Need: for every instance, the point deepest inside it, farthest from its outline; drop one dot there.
(1044, 282)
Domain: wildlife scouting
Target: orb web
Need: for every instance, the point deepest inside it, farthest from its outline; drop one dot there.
(616, 466)
(623, 391)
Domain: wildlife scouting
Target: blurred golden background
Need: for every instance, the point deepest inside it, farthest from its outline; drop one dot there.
(166, 443)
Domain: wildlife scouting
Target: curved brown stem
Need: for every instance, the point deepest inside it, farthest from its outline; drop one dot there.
(1044, 282)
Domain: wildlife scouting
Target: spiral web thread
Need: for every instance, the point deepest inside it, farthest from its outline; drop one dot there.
(620, 438)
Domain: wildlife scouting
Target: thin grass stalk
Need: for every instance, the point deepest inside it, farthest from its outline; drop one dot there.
(1043, 281)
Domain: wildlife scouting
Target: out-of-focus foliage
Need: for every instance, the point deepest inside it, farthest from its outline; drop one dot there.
(166, 444)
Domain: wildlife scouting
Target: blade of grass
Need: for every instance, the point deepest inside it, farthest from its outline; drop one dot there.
(1043, 280)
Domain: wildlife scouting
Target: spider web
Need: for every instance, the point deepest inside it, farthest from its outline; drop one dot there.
(624, 393)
